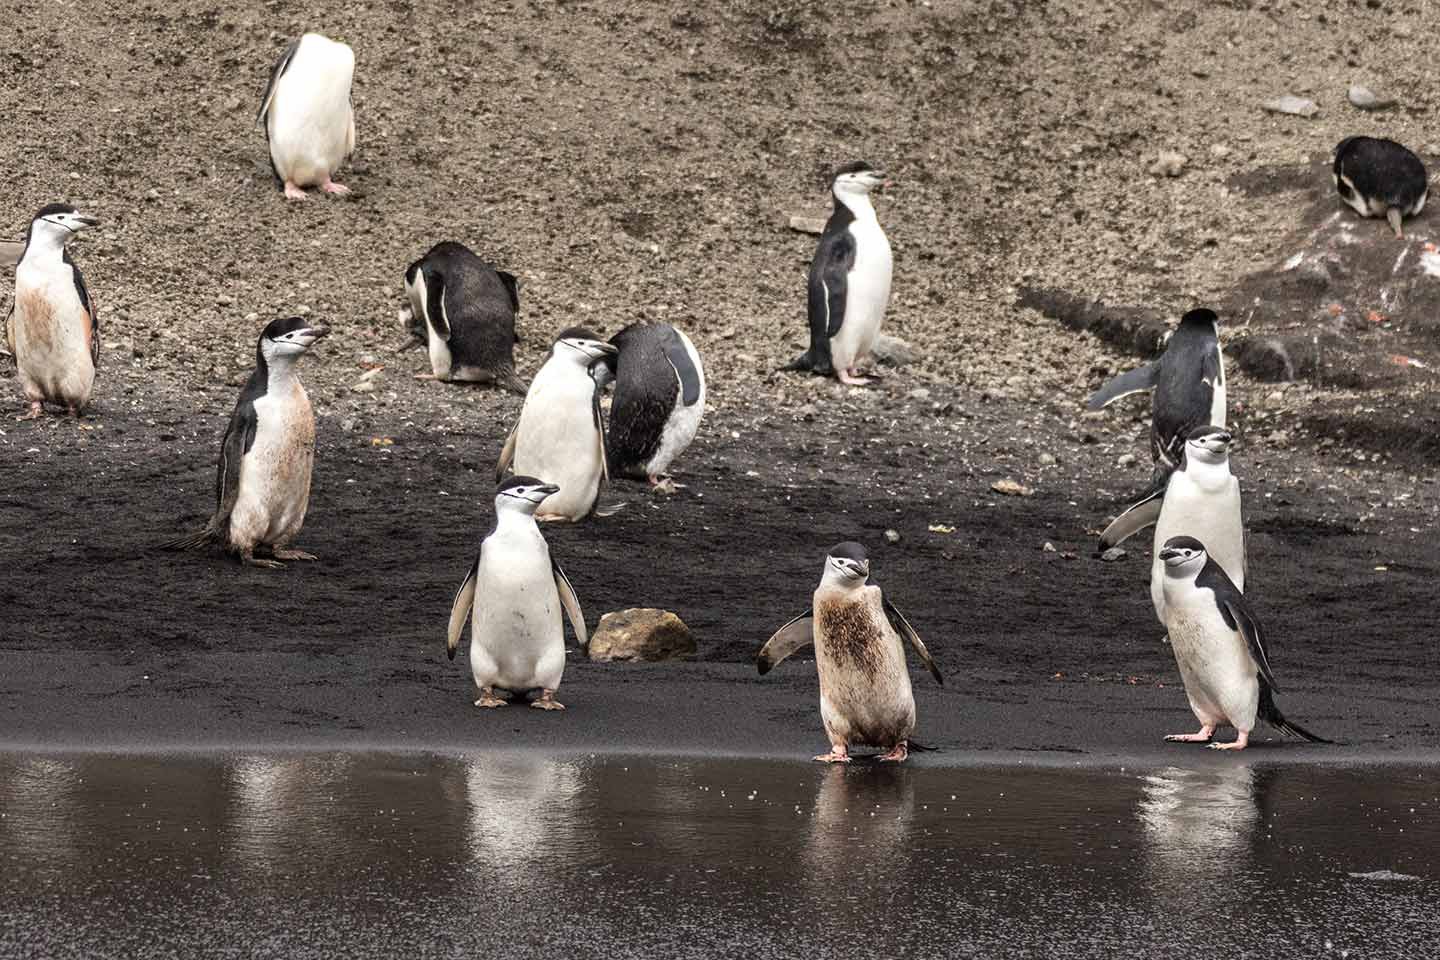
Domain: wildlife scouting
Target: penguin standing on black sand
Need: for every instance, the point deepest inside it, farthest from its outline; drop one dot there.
(849, 286)
(659, 401)
(262, 487)
(1189, 385)
(1380, 178)
(308, 118)
(464, 310)
(52, 331)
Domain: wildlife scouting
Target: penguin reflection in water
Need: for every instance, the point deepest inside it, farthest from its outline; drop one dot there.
(262, 486)
(865, 695)
(512, 597)
(1219, 648)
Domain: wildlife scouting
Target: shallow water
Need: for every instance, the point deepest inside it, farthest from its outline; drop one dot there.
(362, 855)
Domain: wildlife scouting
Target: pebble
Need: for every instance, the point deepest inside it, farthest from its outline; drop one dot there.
(892, 536)
(224, 300)
(1113, 554)
(1046, 459)
(1292, 105)
(1168, 163)
(1125, 460)
(1012, 488)
(893, 351)
(919, 393)
(1049, 547)
(1219, 150)
(1363, 98)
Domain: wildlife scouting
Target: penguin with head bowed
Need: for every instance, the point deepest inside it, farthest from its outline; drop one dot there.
(464, 310)
(1380, 178)
(512, 597)
(659, 401)
(865, 695)
(262, 486)
(561, 434)
(1219, 648)
(308, 118)
(52, 330)
(849, 286)
(1201, 499)
(1189, 386)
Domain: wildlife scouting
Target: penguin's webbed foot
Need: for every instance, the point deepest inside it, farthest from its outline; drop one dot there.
(248, 558)
(547, 701)
(837, 754)
(334, 189)
(285, 553)
(293, 192)
(37, 410)
(488, 698)
(1242, 740)
(1202, 736)
(852, 378)
(665, 485)
(897, 754)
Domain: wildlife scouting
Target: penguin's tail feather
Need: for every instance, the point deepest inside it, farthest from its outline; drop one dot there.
(192, 541)
(508, 380)
(917, 747)
(802, 362)
(1271, 714)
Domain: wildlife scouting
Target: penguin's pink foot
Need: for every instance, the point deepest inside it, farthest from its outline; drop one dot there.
(425, 376)
(248, 558)
(285, 553)
(1203, 736)
(547, 701)
(665, 485)
(74, 412)
(37, 410)
(293, 192)
(837, 754)
(1240, 743)
(897, 754)
(852, 378)
(488, 698)
(334, 189)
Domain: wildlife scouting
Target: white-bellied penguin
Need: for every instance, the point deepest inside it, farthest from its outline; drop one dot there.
(849, 286)
(1189, 385)
(308, 118)
(1219, 648)
(865, 695)
(659, 401)
(512, 598)
(561, 434)
(463, 309)
(262, 486)
(1380, 178)
(53, 331)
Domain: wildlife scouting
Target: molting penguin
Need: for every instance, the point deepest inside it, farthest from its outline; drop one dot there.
(1189, 385)
(1199, 499)
(1219, 649)
(659, 401)
(464, 309)
(865, 695)
(262, 487)
(560, 433)
(517, 639)
(849, 285)
(308, 118)
(1380, 178)
(53, 332)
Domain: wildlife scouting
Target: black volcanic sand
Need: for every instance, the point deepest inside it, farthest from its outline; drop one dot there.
(110, 644)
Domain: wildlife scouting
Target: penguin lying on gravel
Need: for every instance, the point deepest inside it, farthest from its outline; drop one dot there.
(1380, 178)
(659, 401)
(865, 695)
(464, 310)
(262, 486)
(307, 115)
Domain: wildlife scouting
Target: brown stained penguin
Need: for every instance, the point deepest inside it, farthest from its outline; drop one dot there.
(865, 695)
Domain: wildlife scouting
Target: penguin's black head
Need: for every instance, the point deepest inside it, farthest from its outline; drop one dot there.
(288, 337)
(856, 178)
(583, 345)
(1181, 551)
(1200, 317)
(1209, 443)
(524, 492)
(60, 220)
(849, 561)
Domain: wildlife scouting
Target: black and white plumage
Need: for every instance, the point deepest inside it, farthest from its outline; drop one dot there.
(463, 309)
(262, 484)
(1380, 178)
(865, 695)
(52, 330)
(659, 400)
(513, 597)
(1219, 648)
(1188, 383)
(308, 118)
(849, 284)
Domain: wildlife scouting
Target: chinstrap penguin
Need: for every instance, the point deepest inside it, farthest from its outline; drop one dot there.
(561, 433)
(53, 331)
(1380, 178)
(659, 401)
(849, 285)
(464, 310)
(1189, 385)
(865, 695)
(308, 118)
(262, 486)
(1200, 499)
(512, 597)
(1219, 648)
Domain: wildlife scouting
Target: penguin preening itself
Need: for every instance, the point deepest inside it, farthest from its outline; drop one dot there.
(1380, 178)
(53, 331)
(1189, 385)
(1219, 648)
(262, 486)
(1200, 499)
(464, 310)
(308, 118)
(865, 695)
(849, 285)
(512, 597)
(561, 433)
(659, 401)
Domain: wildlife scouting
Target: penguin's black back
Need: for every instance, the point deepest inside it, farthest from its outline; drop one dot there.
(1182, 398)
(646, 389)
(1380, 169)
(481, 303)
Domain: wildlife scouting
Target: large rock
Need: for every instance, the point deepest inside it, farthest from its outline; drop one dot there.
(641, 634)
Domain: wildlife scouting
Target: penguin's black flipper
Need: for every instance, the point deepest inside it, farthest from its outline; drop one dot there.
(571, 603)
(785, 641)
(1237, 615)
(1139, 515)
(685, 370)
(281, 66)
(1271, 715)
(460, 609)
(1139, 380)
(436, 313)
(239, 438)
(902, 627)
(834, 259)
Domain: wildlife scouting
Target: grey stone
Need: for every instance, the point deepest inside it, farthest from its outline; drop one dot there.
(1113, 554)
(893, 351)
(1292, 105)
(1364, 98)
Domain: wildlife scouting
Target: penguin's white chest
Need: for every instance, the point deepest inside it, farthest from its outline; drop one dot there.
(51, 334)
(517, 635)
(867, 294)
(557, 440)
(865, 695)
(275, 475)
(310, 123)
(683, 423)
(440, 359)
(1221, 679)
(1201, 502)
